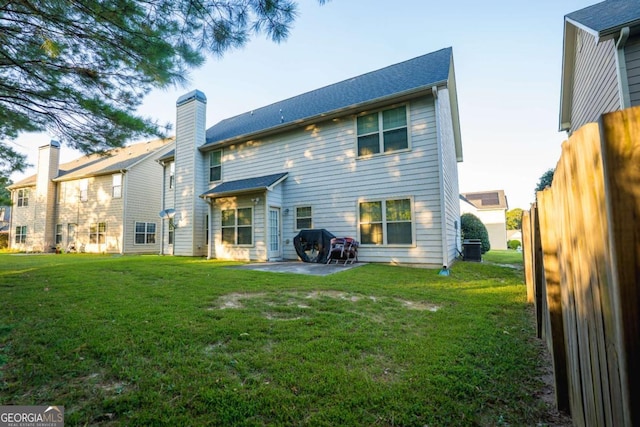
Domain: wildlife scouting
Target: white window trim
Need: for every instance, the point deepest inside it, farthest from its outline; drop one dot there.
(384, 222)
(21, 199)
(253, 228)
(295, 214)
(209, 165)
(172, 175)
(113, 186)
(146, 233)
(381, 132)
(22, 234)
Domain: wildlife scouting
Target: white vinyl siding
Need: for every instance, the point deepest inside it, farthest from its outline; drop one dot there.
(595, 88)
(632, 57)
(143, 182)
(191, 172)
(450, 188)
(326, 172)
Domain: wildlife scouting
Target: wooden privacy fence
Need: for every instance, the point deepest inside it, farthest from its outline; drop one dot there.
(582, 268)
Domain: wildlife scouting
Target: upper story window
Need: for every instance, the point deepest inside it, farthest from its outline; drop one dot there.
(23, 198)
(215, 165)
(303, 217)
(117, 186)
(172, 174)
(84, 190)
(386, 222)
(383, 132)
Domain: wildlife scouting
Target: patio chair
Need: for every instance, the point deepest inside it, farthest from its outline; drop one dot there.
(343, 249)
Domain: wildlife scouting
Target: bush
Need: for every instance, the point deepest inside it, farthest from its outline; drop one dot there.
(473, 228)
(514, 244)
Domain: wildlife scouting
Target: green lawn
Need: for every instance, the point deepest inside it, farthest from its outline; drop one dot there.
(148, 340)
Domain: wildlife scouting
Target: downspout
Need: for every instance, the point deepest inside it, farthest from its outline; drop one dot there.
(621, 68)
(161, 209)
(209, 203)
(443, 216)
(124, 209)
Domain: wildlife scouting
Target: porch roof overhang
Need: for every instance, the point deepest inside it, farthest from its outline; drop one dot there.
(243, 186)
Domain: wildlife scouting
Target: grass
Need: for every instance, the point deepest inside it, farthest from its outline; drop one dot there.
(143, 341)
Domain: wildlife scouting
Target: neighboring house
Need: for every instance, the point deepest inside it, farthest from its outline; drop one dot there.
(600, 62)
(5, 222)
(97, 203)
(491, 208)
(373, 157)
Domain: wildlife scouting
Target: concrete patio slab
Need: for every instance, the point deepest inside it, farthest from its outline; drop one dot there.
(298, 267)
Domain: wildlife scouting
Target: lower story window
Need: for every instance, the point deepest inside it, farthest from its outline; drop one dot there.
(172, 228)
(58, 234)
(21, 234)
(97, 232)
(237, 226)
(386, 222)
(145, 233)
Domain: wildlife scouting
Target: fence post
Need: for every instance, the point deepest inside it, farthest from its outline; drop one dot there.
(555, 337)
(621, 159)
(527, 249)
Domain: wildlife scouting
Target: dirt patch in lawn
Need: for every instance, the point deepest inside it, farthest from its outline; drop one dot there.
(301, 300)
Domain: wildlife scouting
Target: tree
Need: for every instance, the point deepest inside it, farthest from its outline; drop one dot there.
(473, 228)
(80, 68)
(545, 180)
(5, 195)
(514, 219)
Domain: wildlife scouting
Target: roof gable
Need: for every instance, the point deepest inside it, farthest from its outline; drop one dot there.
(603, 20)
(113, 161)
(484, 200)
(409, 76)
(608, 17)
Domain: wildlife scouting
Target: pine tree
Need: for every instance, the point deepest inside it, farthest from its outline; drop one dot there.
(80, 68)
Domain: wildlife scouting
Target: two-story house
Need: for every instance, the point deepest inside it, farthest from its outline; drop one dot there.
(600, 62)
(373, 157)
(491, 208)
(96, 203)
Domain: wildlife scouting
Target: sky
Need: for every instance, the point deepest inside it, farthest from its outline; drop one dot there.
(507, 57)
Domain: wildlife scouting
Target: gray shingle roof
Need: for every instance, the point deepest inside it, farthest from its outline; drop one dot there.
(245, 185)
(609, 16)
(408, 76)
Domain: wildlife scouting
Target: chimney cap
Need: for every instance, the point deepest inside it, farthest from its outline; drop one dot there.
(194, 94)
(53, 143)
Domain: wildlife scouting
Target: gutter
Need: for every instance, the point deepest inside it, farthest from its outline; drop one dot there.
(372, 103)
(621, 69)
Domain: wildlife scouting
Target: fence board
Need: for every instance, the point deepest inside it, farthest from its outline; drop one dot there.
(588, 226)
(621, 158)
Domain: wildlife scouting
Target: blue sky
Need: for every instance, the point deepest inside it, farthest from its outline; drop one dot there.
(507, 56)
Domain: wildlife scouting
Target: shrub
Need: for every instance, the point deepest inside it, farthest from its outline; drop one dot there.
(473, 228)
(514, 244)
